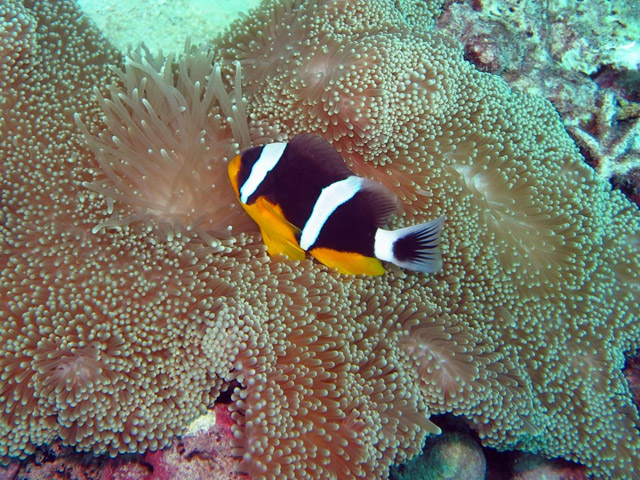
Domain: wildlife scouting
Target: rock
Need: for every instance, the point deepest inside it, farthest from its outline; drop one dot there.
(450, 456)
(533, 467)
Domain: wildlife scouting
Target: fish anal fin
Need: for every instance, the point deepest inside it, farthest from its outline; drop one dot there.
(277, 233)
(380, 201)
(349, 263)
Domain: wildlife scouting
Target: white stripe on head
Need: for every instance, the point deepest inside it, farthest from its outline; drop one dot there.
(266, 162)
(330, 198)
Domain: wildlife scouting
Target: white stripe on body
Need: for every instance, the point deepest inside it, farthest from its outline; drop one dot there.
(330, 198)
(266, 162)
(383, 245)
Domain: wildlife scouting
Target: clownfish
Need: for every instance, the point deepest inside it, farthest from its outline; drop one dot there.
(304, 198)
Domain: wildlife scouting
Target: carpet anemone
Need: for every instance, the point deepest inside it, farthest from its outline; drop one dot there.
(264, 44)
(118, 326)
(18, 46)
(322, 77)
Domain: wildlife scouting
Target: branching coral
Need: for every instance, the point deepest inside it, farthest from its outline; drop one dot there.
(613, 145)
(522, 333)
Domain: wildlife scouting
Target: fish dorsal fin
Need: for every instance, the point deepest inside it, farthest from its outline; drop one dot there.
(324, 159)
(380, 201)
(319, 154)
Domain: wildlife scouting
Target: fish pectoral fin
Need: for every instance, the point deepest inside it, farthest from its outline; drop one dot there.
(349, 263)
(278, 234)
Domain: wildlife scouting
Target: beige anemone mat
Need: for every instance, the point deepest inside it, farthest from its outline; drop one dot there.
(134, 290)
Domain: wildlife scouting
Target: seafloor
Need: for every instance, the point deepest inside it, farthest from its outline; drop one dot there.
(163, 24)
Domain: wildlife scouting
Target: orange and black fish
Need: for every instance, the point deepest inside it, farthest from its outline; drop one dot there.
(304, 198)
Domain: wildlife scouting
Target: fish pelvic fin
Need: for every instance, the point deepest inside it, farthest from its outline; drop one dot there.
(278, 234)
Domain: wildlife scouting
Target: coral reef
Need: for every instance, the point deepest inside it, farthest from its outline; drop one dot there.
(162, 24)
(204, 453)
(611, 150)
(535, 45)
(584, 60)
(115, 335)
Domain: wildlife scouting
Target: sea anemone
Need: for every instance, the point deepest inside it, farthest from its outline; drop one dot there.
(169, 129)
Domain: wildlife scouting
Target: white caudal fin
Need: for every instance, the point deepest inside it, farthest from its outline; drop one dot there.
(414, 248)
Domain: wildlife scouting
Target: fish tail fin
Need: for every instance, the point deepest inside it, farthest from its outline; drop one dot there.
(414, 248)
